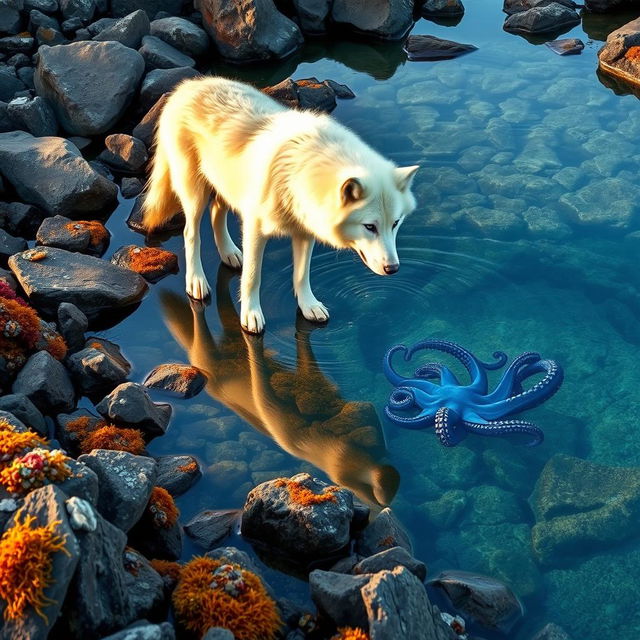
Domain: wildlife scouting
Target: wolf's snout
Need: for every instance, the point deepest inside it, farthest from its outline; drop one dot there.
(391, 268)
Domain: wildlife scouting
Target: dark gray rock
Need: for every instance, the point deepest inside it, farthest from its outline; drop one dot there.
(34, 116)
(22, 408)
(124, 153)
(46, 6)
(146, 587)
(17, 44)
(218, 633)
(208, 528)
(39, 19)
(72, 25)
(184, 381)
(9, 84)
(147, 631)
(100, 25)
(551, 18)
(70, 437)
(312, 15)
(52, 174)
(442, 8)
(47, 505)
(158, 83)
(92, 284)
(75, 79)
(342, 91)
(272, 517)
(517, 6)
(249, 30)
(10, 22)
(46, 383)
(150, 7)
(19, 60)
(613, 56)
(81, 9)
(154, 541)
(151, 263)
(566, 46)
(128, 31)
(337, 595)
(389, 559)
(387, 19)
(423, 47)
(16, 424)
(486, 600)
(131, 187)
(551, 631)
(26, 75)
(49, 36)
(129, 404)
(384, 532)
(177, 474)
(182, 34)
(72, 324)
(160, 55)
(95, 372)
(9, 245)
(90, 237)
(82, 484)
(126, 482)
(134, 221)
(110, 348)
(21, 219)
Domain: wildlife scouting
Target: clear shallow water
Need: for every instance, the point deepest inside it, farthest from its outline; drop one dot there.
(516, 144)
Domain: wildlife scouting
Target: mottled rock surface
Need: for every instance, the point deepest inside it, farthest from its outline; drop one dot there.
(210, 527)
(386, 19)
(424, 47)
(551, 18)
(184, 381)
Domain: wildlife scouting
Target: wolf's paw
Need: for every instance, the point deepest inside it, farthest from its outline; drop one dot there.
(314, 310)
(252, 319)
(197, 286)
(232, 257)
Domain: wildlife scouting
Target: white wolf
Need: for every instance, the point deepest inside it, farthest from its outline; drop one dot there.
(284, 172)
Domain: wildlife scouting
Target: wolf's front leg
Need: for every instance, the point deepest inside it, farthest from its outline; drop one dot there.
(253, 243)
(312, 309)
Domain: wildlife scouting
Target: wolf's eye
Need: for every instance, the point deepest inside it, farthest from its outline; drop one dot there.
(395, 224)
(371, 227)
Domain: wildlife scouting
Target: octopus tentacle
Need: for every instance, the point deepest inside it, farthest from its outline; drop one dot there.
(422, 420)
(510, 378)
(395, 378)
(501, 359)
(402, 398)
(435, 370)
(448, 429)
(501, 428)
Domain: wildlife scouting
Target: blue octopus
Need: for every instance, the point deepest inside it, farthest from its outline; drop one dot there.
(456, 410)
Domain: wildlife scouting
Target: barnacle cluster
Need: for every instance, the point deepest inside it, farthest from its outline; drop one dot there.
(305, 497)
(217, 593)
(34, 469)
(26, 557)
(162, 508)
(350, 633)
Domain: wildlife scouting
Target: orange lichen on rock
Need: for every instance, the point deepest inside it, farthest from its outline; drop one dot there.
(168, 569)
(34, 469)
(35, 255)
(13, 443)
(113, 438)
(633, 53)
(189, 467)
(350, 633)
(305, 497)
(216, 593)
(149, 260)
(97, 232)
(162, 508)
(388, 541)
(83, 425)
(25, 566)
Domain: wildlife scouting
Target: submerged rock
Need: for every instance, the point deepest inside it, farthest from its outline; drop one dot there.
(566, 46)
(423, 47)
(208, 528)
(620, 55)
(550, 18)
(182, 380)
(386, 19)
(384, 532)
(551, 631)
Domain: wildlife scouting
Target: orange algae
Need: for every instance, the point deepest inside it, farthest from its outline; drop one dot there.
(350, 633)
(189, 467)
(148, 260)
(389, 541)
(633, 53)
(34, 469)
(35, 255)
(13, 443)
(305, 497)
(113, 438)
(168, 569)
(162, 508)
(25, 566)
(98, 235)
(216, 593)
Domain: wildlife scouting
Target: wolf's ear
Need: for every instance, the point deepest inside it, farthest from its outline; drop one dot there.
(404, 176)
(351, 191)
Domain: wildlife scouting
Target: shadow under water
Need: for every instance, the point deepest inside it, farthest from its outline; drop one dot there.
(299, 408)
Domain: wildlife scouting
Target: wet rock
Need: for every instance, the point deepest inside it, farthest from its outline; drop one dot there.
(95, 372)
(21, 219)
(9, 245)
(620, 55)
(151, 263)
(485, 600)
(47, 505)
(208, 528)
(51, 276)
(129, 404)
(46, 383)
(81, 9)
(131, 187)
(160, 55)
(146, 587)
(338, 596)
(388, 560)
(134, 221)
(546, 223)
(177, 474)
(145, 631)
(144, 130)
(551, 18)
(111, 348)
(580, 506)
(34, 116)
(126, 482)
(63, 79)
(289, 515)
(423, 47)
(312, 15)
(387, 20)
(309, 93)
(493, 223)
(158, 83)
(517, 6)
(181, 34)
(84, 236)
(52, 174)
(445, 511)
(72, 324)
(384, 532)
(22, 408)
(551, 631)
(150, 7)
(182, 380)
(249, 30)
(128, 31)
(442, 8)
(124, 153)
(566, 46)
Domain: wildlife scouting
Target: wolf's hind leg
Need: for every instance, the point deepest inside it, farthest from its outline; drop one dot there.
(312, 309)
(229, 252)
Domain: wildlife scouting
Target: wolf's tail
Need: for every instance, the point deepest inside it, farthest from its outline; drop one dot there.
(159, 202)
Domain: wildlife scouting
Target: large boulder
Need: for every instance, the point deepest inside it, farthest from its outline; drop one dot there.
(516, 6)
(552, 18)
(88, 84)
(385, 19)
(249, 30)
(129, 30)
(51, 276)
(181, 34)
(51, 173)
(620, 55)
(581, 506)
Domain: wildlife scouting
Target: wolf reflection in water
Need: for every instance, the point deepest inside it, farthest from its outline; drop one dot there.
(300, 409)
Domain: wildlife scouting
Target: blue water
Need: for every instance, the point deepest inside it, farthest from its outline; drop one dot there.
(525, 238)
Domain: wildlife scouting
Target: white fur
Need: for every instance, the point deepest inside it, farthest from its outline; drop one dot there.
(284, 172)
